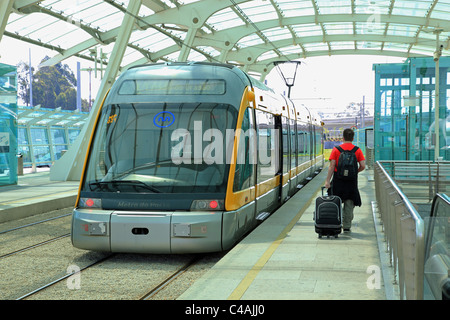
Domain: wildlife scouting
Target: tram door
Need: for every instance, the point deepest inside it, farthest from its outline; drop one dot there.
(279, 128)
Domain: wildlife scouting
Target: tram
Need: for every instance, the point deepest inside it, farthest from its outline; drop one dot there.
(188, 158)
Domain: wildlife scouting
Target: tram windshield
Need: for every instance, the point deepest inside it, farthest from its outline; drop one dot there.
(161, 148)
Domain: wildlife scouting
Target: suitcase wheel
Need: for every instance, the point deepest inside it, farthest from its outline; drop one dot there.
(328, 236)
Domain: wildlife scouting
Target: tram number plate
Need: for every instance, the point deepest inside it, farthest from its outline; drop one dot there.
(182, 230)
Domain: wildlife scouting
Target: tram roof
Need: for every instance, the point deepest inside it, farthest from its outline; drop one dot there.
(251, 34)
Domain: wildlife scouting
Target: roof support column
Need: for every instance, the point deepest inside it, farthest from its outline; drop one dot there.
(223, 55)
(5, 10)
(70, 166)
(187, 44)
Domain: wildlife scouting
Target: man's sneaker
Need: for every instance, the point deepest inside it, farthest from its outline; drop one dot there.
(346, 229)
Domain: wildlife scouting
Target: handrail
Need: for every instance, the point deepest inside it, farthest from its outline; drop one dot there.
(404, 232)
(406, 173)
(438, 196)
(437, 255)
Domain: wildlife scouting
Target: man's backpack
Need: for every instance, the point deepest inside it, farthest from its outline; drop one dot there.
(347, 167)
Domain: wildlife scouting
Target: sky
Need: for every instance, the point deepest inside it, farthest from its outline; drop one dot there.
(325, 84)
(331, 83)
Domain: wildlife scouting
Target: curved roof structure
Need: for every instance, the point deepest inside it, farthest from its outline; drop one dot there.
(252, 34)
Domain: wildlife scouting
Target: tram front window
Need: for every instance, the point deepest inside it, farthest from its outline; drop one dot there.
(161, 148)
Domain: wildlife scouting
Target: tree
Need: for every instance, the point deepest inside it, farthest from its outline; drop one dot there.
(23, 82)
(53, 86)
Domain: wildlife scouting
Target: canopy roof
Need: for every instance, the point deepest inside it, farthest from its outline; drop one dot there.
(248, 33)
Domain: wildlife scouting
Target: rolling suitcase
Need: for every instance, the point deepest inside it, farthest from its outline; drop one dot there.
(328, 215)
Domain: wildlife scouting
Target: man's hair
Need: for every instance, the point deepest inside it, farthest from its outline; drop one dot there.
(348, 135)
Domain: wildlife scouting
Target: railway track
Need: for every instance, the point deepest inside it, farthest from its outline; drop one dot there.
(9, 230)
(36, 254)
(34, 246)
(34, 223)
(154, 291)
(29, 294)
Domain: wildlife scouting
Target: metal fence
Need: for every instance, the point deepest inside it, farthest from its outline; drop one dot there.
(404, 234)
(420, 180)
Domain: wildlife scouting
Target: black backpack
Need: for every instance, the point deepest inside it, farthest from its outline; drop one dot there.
(347, 168)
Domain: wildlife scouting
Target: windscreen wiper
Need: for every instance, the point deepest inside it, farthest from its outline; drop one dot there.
(134, 183)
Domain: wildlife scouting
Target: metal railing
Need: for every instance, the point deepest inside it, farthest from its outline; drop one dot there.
(404, 234)
(414, 176)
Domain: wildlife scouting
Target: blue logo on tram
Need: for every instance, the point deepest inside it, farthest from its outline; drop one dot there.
(164, 119)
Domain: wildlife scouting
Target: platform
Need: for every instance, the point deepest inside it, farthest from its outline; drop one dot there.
(284, 258)
(35, 194)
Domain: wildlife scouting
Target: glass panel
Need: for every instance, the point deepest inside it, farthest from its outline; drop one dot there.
(25, 152)
(57, 150)
(267, 140)
(73, 134)
(339, 28)
(286, 144)
(372, 7)
(245, 164)
(8, 125)
(370, 28)
(411, 8)
(39, 135)
(303, 143)
(22, 136)
(308, 30)
(225, 19)
(42, 154)
(296, 8)
(172, 87)
(293, 144)
(259, 10)
(334, 6)
(173, 152)
(251, 40)
(58, 136)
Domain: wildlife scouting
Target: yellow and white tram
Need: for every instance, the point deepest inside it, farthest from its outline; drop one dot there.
(187, 157)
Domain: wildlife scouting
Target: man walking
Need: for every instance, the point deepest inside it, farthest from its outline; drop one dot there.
(345, 176)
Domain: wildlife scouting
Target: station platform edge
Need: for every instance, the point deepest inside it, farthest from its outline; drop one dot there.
(35, 194)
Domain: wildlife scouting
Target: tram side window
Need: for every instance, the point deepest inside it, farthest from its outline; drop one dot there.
(268, 155)
(293, 144)
(319, 138)
(302, 143)
(286, 146)
(244, 176)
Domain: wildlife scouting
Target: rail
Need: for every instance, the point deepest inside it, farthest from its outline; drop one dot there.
(404, 234)
(413, 176)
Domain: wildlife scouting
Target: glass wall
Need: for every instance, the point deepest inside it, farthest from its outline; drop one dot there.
(8, 125)
(404, 120)
(45, 134)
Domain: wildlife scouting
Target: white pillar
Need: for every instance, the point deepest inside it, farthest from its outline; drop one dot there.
(70, 166)
(5, 10)
(187, 44)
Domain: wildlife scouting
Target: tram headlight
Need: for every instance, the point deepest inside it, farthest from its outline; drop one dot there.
(90, 203)
(207, 205)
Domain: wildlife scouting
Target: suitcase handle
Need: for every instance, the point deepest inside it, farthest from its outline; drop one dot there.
(331, 190)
